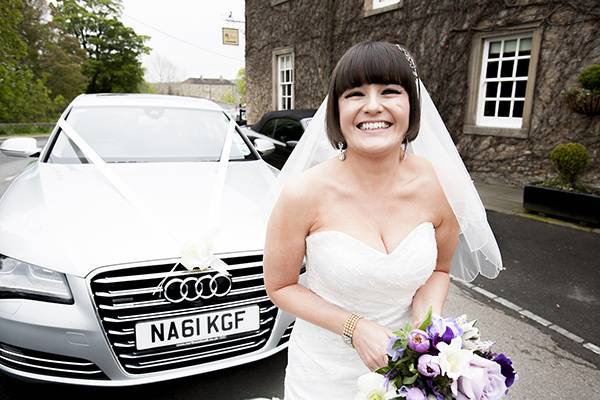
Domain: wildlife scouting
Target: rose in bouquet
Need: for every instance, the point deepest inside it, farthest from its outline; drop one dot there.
(442, 359)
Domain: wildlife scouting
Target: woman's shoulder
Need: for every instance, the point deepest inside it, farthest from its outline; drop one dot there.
(426, 177)
(306, 186)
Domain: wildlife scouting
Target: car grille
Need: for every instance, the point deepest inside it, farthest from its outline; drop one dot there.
(48, 364)
(124, 297)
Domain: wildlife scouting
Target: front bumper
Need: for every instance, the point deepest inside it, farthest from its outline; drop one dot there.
(71, 344)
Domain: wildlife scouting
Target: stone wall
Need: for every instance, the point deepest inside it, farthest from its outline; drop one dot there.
(439, 34)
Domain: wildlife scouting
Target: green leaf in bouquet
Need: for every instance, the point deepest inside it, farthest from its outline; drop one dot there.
(383, 370)
(427, 321)
(409, 380)
(411, 368)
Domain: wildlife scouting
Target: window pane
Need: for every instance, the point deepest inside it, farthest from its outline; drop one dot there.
(492, 70)
(287, 75)
(506, 70)
(491, 89)
(506, 89)
(522, 67)
(282, 76)
(518, 109)
(494, 51)
(521, 87)
(504, 109)
(525, 47)
(510, 47)
(489, 109)
(289, 103)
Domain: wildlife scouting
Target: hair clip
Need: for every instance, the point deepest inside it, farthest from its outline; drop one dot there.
(411, 61)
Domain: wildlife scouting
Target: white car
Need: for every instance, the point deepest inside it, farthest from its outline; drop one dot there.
(88, 294)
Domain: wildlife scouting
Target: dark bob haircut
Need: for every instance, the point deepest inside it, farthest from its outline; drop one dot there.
(371, 62)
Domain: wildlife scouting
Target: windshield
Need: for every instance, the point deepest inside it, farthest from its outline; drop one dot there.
(149, 134)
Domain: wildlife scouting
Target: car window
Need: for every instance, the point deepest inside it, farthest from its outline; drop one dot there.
(288, 129)
(149, 134)
(269, 127)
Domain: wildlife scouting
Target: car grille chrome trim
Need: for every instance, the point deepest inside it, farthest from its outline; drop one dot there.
(125, 295)
(174, 274)
(47, 364)
(195, 310)
(81, 364)
(229, 350)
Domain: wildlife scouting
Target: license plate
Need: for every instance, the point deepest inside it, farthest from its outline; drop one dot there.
(196, 327)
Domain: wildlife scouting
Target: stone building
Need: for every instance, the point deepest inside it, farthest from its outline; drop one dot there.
(217, 89)
(495, 69)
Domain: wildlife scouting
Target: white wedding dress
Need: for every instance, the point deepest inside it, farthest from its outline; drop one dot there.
(347, 272)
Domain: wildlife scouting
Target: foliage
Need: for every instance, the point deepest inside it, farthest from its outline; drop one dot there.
(146, 87)
(23, 95)
(228, 97)
(241, 84)
(113, 50)
(590, 78)
(25, 129)
(569, 159)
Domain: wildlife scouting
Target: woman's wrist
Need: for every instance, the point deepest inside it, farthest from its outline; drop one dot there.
(349, 327)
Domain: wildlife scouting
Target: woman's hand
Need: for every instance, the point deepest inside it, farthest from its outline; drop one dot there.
(370, 341)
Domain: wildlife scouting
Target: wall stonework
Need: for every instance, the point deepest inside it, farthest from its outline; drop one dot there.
(439, 34)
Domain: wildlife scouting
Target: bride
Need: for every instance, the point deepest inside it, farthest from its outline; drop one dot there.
(375, 225)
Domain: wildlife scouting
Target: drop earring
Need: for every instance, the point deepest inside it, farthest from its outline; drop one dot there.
(342, 151)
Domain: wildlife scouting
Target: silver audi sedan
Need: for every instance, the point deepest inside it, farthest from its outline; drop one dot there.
(89, 293)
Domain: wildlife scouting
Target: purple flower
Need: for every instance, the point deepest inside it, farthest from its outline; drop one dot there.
(395, 354)
(418, 341)
(506, 368)
(484, 381)
(443, 330)
(427, 366)
(413, 393)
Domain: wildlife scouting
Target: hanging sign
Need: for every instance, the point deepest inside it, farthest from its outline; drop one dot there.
(231, 36)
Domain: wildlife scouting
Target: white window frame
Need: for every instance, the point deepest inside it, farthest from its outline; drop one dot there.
(474, 104)
(285, 80)
(496, 121)
(383, 3)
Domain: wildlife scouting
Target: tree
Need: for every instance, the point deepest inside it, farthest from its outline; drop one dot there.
(23, 96)
(113, 50)
(241, 84)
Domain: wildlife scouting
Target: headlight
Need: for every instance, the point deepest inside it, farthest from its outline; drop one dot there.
(19, 279)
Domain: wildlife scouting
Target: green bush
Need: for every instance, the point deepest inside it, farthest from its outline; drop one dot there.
(590, 78)
(570, 159)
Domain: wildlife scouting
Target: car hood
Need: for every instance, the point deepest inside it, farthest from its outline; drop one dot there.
(70, 219)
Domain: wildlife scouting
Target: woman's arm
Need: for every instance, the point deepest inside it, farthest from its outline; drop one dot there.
(435, 291)
(289, 224)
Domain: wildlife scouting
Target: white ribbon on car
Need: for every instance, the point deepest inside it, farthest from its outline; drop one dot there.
(196, 253)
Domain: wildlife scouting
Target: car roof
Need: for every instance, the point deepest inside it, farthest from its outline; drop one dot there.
(297, 114)
(148, 100)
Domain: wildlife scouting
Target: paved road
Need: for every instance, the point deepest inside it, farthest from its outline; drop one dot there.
(551, 270)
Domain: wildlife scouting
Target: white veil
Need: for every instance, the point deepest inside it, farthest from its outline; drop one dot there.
(477, 250)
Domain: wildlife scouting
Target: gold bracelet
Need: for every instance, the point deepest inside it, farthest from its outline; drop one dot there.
(349, 326)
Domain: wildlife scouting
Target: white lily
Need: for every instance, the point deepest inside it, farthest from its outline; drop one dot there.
(371, 386)
(452, 359)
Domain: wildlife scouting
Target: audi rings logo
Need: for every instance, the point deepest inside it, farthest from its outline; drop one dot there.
(205, 287)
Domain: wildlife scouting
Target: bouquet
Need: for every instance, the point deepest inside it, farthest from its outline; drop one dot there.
(442, 359)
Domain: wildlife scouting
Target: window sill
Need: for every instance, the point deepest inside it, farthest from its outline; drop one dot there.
(520, 133)
(376, 11)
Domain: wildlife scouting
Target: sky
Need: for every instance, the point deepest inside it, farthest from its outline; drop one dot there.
(186, 37)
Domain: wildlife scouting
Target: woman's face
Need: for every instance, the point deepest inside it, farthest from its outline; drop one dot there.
(374, 117)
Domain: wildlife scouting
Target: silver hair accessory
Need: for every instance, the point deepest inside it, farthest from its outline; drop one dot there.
(342, 151)
(409, 59)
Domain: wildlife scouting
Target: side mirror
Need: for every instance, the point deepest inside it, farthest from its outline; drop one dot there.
(264, 146)
(291, 143)
(20, 147)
